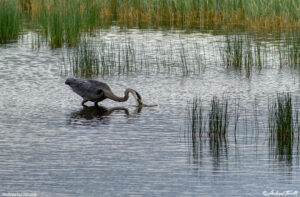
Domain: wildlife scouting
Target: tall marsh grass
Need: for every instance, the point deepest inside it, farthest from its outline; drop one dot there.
(218, 117)
(212, 122)
(63, 21)
(83, 61)
(283, 126)
(10, 20)
(242, 53)
(207, 124)
(124, 56)
(282, 117)
(101, 58)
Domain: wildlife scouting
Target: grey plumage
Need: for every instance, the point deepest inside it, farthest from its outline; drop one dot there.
(96, 91)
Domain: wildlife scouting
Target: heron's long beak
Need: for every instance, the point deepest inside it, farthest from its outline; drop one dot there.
(138, 98)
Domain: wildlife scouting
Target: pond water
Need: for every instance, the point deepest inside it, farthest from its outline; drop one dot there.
(52, 146)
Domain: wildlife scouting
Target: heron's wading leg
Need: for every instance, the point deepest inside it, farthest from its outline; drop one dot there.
(83, 102)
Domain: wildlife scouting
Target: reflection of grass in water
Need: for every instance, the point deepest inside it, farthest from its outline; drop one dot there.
(214, 130)
(10, 21)
(283, 126)
(212, 125)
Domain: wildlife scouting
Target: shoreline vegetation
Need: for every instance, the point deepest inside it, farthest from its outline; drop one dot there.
(221, 122)
(63, 21)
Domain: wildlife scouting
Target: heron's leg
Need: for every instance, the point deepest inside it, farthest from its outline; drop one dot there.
(96, 103)
(83, 102)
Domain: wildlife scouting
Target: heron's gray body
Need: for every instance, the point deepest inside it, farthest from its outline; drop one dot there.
(88, 89)
(96, 91)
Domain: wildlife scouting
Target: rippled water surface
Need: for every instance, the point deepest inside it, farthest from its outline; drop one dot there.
(52, 146)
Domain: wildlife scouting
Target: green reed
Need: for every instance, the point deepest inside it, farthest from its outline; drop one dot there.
(195, 117)
(283, 126)
(125, 56)
(66, 20)
(10, 20)
(211, 125)
(83, 61)
(281, 117)
(243, 53)
(233, 52)
(214, 123)
(63, 21)
(64, 24)
(88, 59)
(218, 117)
(293, 44)
(254, 14)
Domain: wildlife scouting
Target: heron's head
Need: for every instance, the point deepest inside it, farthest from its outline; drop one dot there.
(136, 95)
(138, 98)
(69, 81)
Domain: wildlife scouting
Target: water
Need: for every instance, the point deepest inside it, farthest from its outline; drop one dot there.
(52, 146)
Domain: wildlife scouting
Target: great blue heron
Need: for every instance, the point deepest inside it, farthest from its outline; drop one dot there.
(96, 91)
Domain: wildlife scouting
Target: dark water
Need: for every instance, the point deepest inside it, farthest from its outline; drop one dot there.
(51, 146)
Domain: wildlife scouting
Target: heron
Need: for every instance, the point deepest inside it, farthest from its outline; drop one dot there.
(96, 91)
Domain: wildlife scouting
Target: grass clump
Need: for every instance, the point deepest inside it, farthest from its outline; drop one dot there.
(214, 123)
(218, 117)
(293, 44)
(242, 54)
(233, 52)
(281, 117)
(195, 118)
(283, 126)
(62, 21)
(88, 59)
(124, 56)
(83, 61)
(10, 20)
(211, 126)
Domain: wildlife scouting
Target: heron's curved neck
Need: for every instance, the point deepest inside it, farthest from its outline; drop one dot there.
(114, 97)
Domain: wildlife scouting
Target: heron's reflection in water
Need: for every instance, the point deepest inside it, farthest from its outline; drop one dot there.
(95, 115)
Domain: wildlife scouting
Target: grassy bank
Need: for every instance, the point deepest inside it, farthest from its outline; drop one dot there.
(63, 21)
(253, 14)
